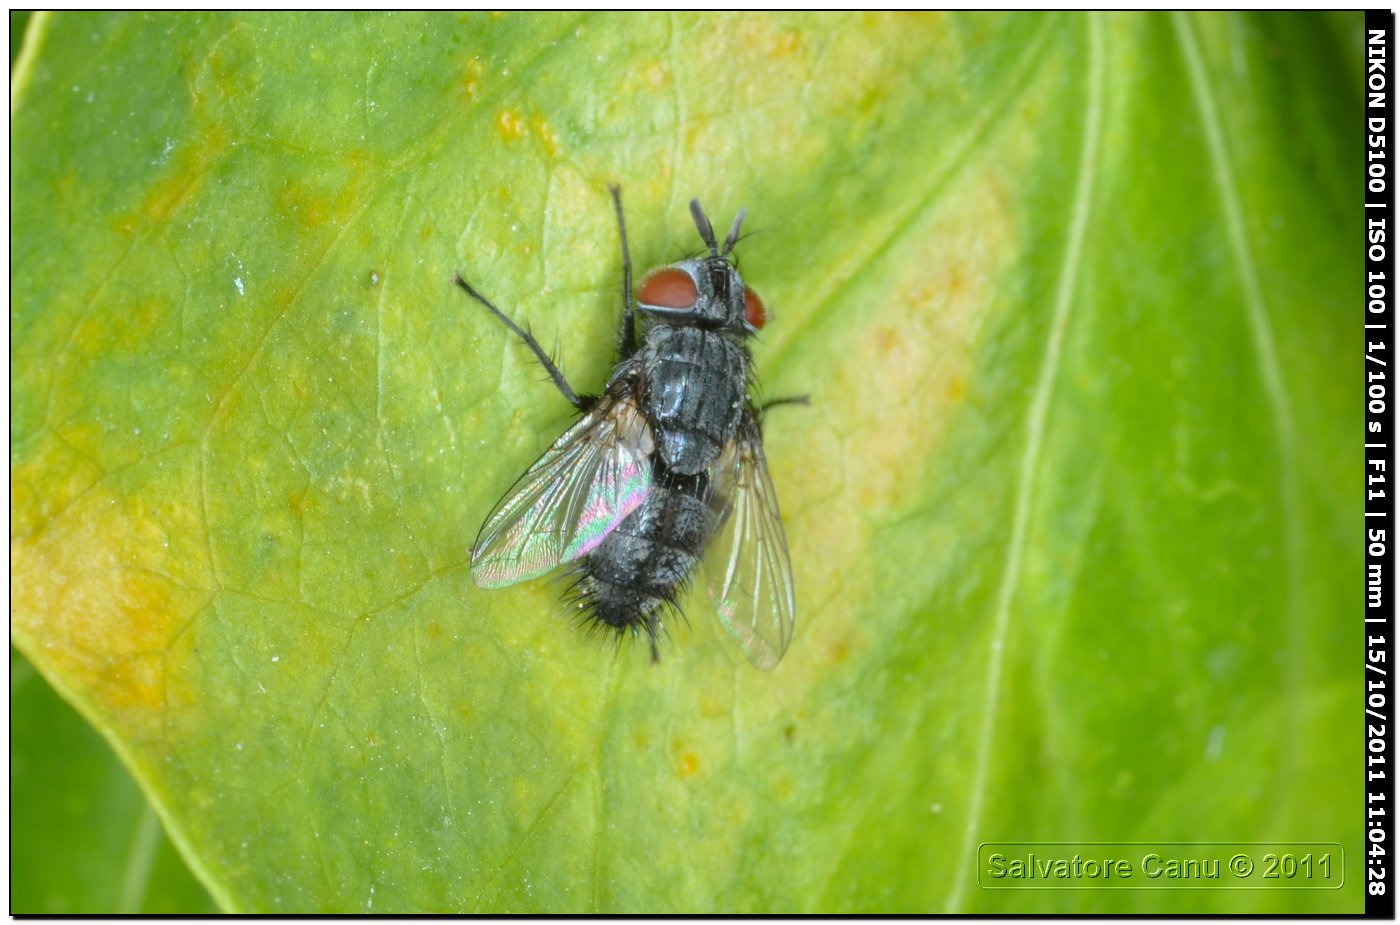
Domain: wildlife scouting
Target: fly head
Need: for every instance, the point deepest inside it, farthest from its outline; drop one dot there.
(704, 291)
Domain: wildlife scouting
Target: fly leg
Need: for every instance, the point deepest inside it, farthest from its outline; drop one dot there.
(555, 373)
(627, 337)
(785, 400)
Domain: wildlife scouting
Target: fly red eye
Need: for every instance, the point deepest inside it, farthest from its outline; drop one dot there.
(668, 288)
(754, 310)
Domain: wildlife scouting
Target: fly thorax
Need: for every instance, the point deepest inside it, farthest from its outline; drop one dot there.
(694, 385)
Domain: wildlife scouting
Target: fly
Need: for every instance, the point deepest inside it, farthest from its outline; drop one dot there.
(663, 474)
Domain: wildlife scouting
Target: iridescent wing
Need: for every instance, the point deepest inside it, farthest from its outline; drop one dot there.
(574, 495)
(747, 570)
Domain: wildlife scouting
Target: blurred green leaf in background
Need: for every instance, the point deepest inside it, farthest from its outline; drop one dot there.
(1071, 512)
(83, 838)
(19, 21)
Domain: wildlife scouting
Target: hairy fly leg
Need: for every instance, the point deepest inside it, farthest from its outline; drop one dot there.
(627, 337)
(582, 404)
(774, 402)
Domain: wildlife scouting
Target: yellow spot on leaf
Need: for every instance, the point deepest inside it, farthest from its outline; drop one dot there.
(656, 74)
(712, 706)
(786, 42)
(55, 474)
(928, 349)
(190, 163)
(317, 200)
(549, 141)
(471, 78)
(510, 124)
(102, 584)
(956, 388)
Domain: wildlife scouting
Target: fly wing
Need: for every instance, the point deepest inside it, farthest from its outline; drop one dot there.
(574, 495)
(747, 569)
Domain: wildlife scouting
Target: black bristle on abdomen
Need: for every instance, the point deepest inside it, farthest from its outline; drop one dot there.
(637, 574)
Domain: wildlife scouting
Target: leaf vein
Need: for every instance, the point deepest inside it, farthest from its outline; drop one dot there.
(1030, 459)
(1265, 346)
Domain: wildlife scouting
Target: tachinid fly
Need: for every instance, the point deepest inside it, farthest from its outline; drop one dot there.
(664, 472)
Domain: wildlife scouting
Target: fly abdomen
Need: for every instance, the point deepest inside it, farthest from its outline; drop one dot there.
(642, 566)
(693, 394)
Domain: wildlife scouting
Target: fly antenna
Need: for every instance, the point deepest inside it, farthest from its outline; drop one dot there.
(702, 225)
(733, 236)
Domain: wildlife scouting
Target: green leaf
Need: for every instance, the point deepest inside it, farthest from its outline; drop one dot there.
(1072, 512)
(82, 838)
(19, 21)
